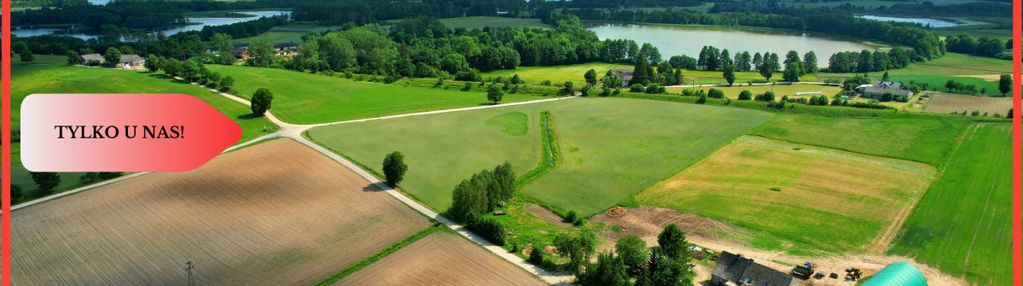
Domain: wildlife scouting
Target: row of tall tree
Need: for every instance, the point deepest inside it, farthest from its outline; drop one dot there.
(983, 46)
(867, 61)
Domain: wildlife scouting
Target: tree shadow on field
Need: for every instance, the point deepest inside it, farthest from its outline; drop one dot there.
(371, 188)
(248, 116)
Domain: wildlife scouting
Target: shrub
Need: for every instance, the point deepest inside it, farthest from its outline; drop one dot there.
(394, 168)
(715, 93)
(488, 229)
(570, 217)
(636, 88)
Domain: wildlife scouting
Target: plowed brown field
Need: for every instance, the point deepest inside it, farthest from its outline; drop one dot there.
(441, 259)
(277, 213)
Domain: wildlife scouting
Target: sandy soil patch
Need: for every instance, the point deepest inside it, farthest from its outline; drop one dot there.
(441, 259)
(646, 222)
(277, 213)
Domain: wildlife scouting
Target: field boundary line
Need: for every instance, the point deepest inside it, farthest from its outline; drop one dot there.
(337, 276)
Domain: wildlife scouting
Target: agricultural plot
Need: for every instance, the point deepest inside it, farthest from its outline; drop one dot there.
(802, 197)
(947, 103)
(963, 224)
(927, 140)
(277, 213)
(313, 98)
(442, 258)
(612, 148)
(982, 72)
(796, 90)
(49, 74)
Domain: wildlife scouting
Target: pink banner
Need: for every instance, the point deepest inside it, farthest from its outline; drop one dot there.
(121, 132)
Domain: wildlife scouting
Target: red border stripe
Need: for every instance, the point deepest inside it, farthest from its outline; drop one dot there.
(5, 177)
(1017, 79)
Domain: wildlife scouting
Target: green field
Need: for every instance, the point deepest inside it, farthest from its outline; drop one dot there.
(798, 193)
(923, 140)
(611, 148)
(479, 22)
(49, 74)
(556, 74)
(963, 225)
(315, 98)
(291, 33)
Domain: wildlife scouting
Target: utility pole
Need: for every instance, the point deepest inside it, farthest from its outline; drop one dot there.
(188, 268)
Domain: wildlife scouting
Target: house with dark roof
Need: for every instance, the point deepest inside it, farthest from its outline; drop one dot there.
(879, 88)
(735, 270)
(625, 75)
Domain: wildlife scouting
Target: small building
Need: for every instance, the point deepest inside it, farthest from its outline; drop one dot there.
(879, 88)
(735, 270)
(624, 75)
(129, 61)
(132, 62)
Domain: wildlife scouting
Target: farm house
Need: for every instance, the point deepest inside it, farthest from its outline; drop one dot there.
(733, 269)
(881, 87)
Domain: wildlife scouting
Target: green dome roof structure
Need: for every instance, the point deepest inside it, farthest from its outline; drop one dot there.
(897, 274)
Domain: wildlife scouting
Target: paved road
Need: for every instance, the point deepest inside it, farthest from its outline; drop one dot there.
(294, 132)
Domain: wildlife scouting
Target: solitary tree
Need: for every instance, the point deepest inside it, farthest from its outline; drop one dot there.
(261, 101)
(494, 94)
(1005, 84)
(46, 181)
(27, 56)
(766, 70)
(73, 58)
(672, 241)
(729, 74)
(394, 168)
(792, 71)
(112, 56)
(667, 271)
(632, 251)
(745, 95)
(226, 83)
(591, 77)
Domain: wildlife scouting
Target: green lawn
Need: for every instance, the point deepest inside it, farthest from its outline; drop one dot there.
(612, 148)
(556, 74)
(479, 22)
(963, 224)
(779, 90)
(48, 74)
(316, 98)
(927, 140)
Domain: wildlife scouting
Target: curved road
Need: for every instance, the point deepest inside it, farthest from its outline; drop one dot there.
(294, 132)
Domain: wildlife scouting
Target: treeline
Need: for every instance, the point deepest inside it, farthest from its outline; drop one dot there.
(125, 15)
(867, 61)
(926, 45)
(367, 11)
(423, 47)
(245, 29)
(983, 46)
(631, 3)
(477, 196)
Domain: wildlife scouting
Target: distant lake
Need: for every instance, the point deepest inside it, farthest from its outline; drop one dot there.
(197, 25)
(678, 40)
(935, 23)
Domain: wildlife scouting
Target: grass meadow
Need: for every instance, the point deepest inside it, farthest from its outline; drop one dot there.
(49, 74)
(291, 33)
(929, 141)
(963, 224)
(307, 98)
(611, 148)
(811, 198)
(779, 90)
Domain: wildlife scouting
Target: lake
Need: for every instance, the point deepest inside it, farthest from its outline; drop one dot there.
(197, 25)
(678, 40)
(934, 23)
